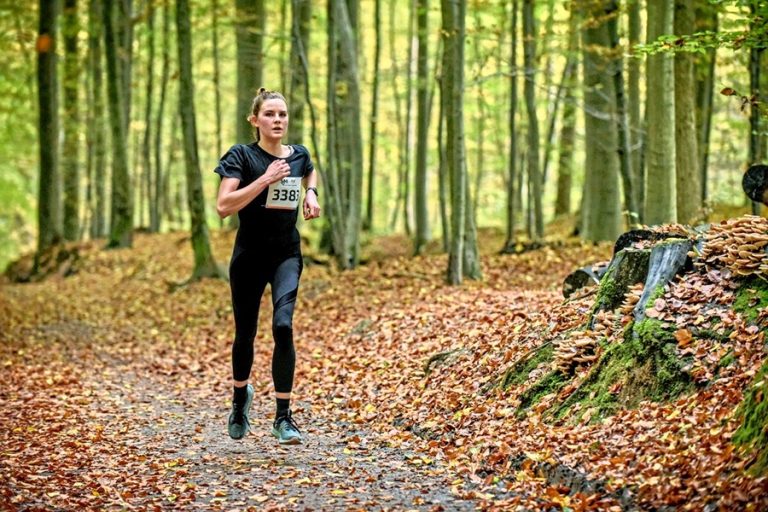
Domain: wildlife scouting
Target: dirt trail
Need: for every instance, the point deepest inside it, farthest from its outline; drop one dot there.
(104, 435)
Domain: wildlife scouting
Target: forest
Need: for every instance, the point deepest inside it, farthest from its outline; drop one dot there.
(538, 281)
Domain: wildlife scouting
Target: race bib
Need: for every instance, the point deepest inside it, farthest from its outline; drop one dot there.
(284, 194)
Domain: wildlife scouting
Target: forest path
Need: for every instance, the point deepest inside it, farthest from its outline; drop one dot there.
(105, 434)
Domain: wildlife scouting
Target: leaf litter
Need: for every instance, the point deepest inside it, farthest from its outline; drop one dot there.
(117, 392)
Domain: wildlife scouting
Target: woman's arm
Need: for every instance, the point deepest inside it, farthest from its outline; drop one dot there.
(231, 200)
(311, 204)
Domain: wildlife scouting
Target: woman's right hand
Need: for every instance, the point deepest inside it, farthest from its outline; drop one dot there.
(276, 171)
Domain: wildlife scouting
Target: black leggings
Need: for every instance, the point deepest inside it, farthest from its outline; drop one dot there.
(249, 273)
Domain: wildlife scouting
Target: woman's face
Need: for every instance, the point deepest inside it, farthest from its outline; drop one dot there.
(272, 119)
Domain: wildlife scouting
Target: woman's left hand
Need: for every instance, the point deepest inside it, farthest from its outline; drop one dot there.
(311, 206)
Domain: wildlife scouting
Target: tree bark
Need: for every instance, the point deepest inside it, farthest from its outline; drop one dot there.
(301, 18)
(345, 145)
(48, 218)
(601, 212)
(529, 50)
(121, 224)
(146, 146)
(95, 138)
(373, 123)
(422, 121)
(512, 206)
(636, 131)
(660, 184)
(688, 176)
(250, 23)
(161, 178)
(706, 15)
(205, 265)
(71, 147)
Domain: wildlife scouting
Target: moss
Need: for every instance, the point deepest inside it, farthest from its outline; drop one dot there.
(520, 371)
(644, 366)
(657, 293)
(552, 382)
(753, 412)
(751, 296)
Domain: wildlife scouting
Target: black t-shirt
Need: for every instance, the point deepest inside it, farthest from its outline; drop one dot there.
(260, 225)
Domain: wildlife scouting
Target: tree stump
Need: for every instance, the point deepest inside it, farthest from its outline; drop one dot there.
(666, 260)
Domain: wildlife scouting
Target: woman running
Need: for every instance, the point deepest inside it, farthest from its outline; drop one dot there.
(261, 182)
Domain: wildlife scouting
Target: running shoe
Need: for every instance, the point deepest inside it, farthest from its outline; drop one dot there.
(239, 422)
(286, 431)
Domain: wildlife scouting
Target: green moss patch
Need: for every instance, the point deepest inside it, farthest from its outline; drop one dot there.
(552, 382)
(520, 371)
(751, 296)
(753, 412)
(644, 366)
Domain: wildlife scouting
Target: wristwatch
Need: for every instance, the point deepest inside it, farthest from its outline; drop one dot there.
(313, 189)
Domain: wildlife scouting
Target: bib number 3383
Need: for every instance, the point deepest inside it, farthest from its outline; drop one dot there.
(284, 194)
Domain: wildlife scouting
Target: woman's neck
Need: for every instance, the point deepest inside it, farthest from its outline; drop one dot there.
(274, 147)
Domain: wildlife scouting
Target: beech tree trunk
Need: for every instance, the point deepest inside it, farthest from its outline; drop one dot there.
(660, 182)
(95, 133)
(71, 147)
(250, 23)
(534, 172)
(48, 217)
(512, 205)
(688, 176)
(121, 223)
(422, 121)
(344, 135)
(601, 206)
(205, 266)
(373, 123)
(301, 18)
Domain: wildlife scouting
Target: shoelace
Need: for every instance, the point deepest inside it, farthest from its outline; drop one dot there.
(288, 418)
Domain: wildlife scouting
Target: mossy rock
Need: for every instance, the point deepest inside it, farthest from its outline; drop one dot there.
(753, 412)
(645, 366)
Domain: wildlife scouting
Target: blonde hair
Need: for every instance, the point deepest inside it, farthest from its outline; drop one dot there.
(262, 96)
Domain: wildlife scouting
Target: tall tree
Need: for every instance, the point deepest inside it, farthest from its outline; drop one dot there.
(636, 132)
(755, 54)
(250, 23)
(622, 117)
(95, 138)
(301, 18)
(422, 128)
(121, 222)
(452, 97)
(216, 74)
(660, 182)
(568, 125)
(534, 171)
(688, 175)
(512, 171)
(373, 122)
(345, 157)
(71, 148)
(706, 19)
(601, 207)
(160, 179)
(146, 145)
(123, 23)
(48, 217)
(205, 265)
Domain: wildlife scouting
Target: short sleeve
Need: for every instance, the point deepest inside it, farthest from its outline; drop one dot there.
(231, 164)
(308, 167)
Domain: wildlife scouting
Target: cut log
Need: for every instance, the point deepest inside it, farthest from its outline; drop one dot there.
(585, 276)
(755, 183)
(666, 261)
